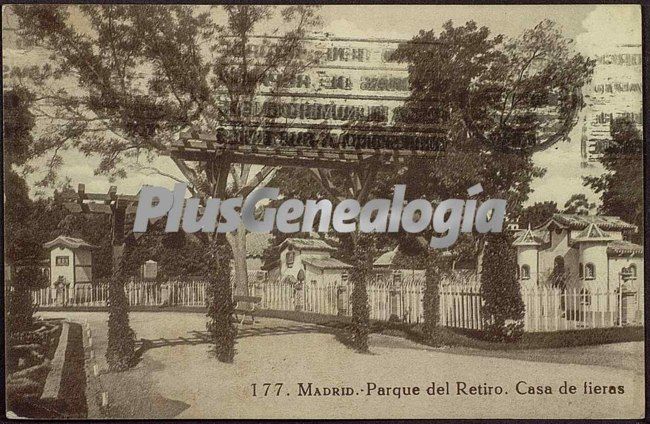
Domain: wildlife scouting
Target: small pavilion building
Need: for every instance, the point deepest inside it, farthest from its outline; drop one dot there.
(71, 260)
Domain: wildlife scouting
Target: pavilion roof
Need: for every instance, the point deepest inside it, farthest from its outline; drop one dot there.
(527, 238)
(592, 233)
(69, 242)
(579, 222)
(624, 248)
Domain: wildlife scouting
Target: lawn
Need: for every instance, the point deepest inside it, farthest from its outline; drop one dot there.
(473, 339)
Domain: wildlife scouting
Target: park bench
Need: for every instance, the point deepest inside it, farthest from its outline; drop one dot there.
(246, 305)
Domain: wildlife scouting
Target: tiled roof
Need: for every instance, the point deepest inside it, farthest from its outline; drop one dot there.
(326, 263)
(307, 244)
(578, 222)
(69, 242)
(624, 248)
(592, 233)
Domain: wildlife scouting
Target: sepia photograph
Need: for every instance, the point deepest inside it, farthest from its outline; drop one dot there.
(304, 211)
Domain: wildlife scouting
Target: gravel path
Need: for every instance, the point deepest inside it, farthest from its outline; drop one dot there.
(177, 377)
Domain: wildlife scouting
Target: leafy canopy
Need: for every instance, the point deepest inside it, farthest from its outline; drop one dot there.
(121, 81)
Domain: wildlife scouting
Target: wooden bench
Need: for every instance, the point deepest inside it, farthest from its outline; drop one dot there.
(246, 305)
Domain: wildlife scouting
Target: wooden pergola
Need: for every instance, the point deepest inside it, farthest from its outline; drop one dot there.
(361, 163)
(110, 203)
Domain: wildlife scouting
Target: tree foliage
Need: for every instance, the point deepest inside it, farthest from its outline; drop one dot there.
(178, 254)
(18, 122)
(294, 183)
(579, 204)
(122, 81)
(537, 214)
(621, 187)
(503, 308)
(497, 100)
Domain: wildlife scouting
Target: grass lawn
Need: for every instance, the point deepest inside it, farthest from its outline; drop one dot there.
(473, 339)
(620, 348)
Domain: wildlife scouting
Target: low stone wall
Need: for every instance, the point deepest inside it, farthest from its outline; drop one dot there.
(53, 381)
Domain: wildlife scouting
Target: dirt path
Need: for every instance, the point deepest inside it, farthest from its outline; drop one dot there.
(178, 377)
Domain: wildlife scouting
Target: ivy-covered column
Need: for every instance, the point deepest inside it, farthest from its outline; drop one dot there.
(121, 338)
(504, 307)
(219, 301)
(363, 249)
(431, 300)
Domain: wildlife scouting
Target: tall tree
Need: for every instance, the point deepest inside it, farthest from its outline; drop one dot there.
(296, 183)
(579, 204)
(17, 142)
(537, 214)
(498, 100)
(178, 254)
(122, 81)
(621, 188)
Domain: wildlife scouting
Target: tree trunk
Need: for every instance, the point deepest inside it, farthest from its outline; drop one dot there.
(479, 257)
(237, 243)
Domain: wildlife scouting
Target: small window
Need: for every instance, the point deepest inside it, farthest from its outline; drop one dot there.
(581, 271)
(291, 255)
(525, 272)
(585, 297)
(590, 271)
(62, 261)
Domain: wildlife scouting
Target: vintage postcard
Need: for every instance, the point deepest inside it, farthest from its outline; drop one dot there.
(323, 211)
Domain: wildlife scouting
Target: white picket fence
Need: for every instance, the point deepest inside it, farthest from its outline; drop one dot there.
(461, 305)
(553, 309)
(546, 308)
(182, 293)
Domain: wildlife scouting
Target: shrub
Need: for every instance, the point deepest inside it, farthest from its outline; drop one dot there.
(29, 277)
(504, 308)
(20, 310)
